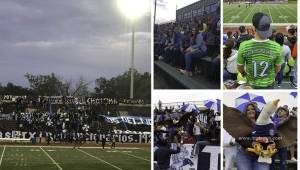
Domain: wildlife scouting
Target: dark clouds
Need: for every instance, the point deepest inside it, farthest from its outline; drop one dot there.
(71, 38)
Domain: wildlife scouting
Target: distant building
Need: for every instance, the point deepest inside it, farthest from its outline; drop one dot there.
(197, 9)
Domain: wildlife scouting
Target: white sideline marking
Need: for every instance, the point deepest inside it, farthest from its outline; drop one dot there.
(110, 151)
(51, 159)
(99, 159)
(270, 15)
(136, 156)
(2, 156)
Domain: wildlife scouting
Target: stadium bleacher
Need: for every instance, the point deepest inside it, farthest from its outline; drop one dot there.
(172, 39)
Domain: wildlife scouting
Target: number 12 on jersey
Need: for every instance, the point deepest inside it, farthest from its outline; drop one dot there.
(263, 64)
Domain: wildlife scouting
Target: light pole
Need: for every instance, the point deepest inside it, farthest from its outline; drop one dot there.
(132, 63)
(133, 9)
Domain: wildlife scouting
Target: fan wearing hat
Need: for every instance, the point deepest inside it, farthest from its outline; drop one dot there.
(260, 59)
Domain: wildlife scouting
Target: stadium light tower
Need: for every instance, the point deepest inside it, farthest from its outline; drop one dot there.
(133, 10)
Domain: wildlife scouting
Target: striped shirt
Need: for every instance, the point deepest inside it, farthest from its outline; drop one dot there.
(260, 59)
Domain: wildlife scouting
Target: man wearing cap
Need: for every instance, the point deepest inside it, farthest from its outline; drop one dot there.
(260, 59)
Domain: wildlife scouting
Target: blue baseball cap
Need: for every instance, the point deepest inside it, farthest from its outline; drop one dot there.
(262, 24)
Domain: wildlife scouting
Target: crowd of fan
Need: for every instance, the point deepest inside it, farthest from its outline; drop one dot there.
(176, 126)
(288, 42)
(179, 44)
(180, 127)
(54, 122)
(65, 125)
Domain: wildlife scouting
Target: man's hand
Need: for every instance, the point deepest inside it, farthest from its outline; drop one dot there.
(277, 68)
(241, 69)
(244, 74)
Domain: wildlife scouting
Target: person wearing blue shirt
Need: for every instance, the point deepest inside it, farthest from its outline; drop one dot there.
(198, 49)
(163, 154)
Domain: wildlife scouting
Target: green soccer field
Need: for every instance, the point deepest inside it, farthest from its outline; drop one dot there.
(66, 158)
(279, 13)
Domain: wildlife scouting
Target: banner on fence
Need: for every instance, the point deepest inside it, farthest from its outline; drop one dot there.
(122, 138)
(134, 120)
(70, 100)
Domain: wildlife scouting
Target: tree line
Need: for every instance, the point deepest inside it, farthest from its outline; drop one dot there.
(54, 85)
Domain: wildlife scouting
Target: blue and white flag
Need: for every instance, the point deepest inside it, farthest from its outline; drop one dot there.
(213, 104)
(190, 108)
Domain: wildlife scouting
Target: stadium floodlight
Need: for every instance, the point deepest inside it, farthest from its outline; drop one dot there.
(133, 9)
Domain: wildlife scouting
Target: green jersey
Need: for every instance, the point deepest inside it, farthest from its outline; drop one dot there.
(260, 59)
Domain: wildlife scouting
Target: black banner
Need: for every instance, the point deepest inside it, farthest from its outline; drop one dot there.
(70, 100)
(121, 138)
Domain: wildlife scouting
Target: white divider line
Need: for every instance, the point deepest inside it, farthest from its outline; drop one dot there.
(68, 147)
(2, 156)
(51, 159)
(135, 156)
(99, 159)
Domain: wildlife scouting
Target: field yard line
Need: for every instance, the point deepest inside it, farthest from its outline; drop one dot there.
(245, 19)
(136, 156)
(270, 14)
(288, 11)
(51, 159)
(293, 11)
(99, 159)
(231, 13)
(282, 15)
(231, 20)
(2, 156)
(228, 14)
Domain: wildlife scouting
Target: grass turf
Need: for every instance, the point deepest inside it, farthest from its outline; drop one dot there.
(279, 13)
(34, 158)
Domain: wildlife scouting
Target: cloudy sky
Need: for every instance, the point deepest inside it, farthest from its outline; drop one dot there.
(166, 9)
(70, 38)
